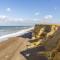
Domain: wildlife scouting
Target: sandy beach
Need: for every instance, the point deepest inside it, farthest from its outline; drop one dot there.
(10, 49)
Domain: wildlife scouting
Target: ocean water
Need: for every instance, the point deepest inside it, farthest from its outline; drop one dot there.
(4, 30)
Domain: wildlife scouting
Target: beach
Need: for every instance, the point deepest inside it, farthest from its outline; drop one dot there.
(16, 48)
(21, 45)
(10, 49)
(12, 44)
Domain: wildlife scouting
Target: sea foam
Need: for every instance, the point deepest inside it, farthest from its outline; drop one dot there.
(19, 33)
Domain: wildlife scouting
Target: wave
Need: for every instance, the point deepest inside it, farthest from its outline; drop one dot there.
(19, 33)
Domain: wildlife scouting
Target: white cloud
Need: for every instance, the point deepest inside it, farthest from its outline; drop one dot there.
(21, 19)
(9, 19)
(2, 17)
(36, 20)
(8, 9)
(17, 20)
(36, 13)
(48, 17)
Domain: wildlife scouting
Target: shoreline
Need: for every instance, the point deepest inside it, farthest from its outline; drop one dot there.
(19, 33)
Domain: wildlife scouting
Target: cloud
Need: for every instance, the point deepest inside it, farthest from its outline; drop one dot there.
(21, 19)
(36, 13)
(9, 19)
(2, 16)
(36, 19)
(8, 9)
(17, 19)
(48, 17)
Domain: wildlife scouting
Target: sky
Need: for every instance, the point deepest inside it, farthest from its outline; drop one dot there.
(29, 12)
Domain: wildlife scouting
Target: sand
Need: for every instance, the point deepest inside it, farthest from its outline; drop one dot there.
(10, 49)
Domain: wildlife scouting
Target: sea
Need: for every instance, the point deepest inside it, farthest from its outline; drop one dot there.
(4, 30)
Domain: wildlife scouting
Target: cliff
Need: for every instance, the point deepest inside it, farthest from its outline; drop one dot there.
(49, 36)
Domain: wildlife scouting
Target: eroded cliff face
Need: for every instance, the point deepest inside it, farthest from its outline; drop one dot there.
(50, 38)
(44, 30)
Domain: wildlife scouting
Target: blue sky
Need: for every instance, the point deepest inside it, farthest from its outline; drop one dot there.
(29, 12)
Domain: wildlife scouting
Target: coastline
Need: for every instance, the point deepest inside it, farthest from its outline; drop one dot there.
(19, 33)
(12, 44)
(18, 46)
